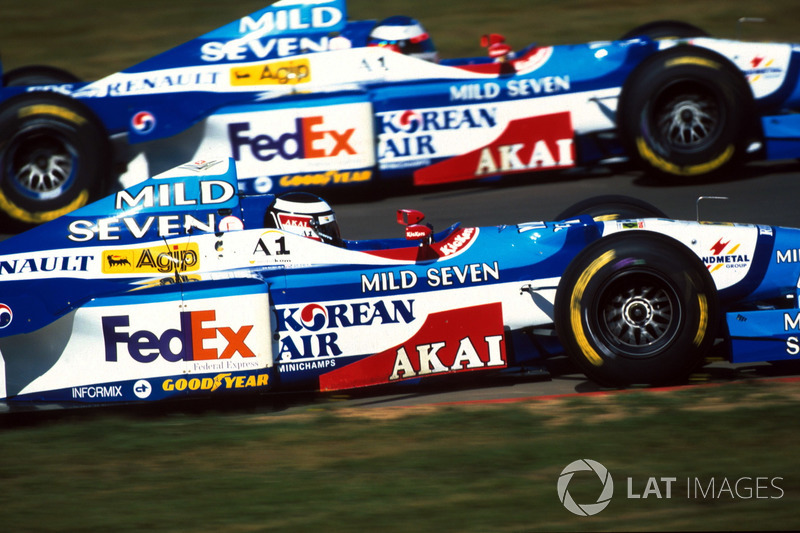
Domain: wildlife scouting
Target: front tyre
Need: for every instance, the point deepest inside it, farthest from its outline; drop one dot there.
(54, 156)
(636, 308)
(686, 112)
(665, 29)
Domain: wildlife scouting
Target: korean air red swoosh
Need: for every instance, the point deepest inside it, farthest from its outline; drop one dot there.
(529, 144)
(459, 340)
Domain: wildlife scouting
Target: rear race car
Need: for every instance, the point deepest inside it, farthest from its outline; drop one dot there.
(302, 98)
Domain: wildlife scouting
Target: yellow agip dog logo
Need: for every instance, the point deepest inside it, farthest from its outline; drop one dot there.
(272, 73)
(156, 260)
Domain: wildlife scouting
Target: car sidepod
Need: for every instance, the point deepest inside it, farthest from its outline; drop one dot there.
(160, 343)
(396, 318)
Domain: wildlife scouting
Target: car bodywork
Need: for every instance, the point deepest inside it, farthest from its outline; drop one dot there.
(174, 288)
(295, 96)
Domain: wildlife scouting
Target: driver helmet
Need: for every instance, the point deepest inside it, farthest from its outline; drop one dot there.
(404, 35)
(304, 214)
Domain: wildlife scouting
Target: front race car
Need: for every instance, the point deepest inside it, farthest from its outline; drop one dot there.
(175, 287)
(179, 287)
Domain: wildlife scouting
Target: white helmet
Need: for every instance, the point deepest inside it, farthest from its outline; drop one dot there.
(304, 214)
(404, 35)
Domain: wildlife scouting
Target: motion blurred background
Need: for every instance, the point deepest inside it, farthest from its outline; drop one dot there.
(93, 38)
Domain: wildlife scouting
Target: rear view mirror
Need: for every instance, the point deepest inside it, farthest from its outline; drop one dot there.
(419, 232)
(415, 230)
(408, 217)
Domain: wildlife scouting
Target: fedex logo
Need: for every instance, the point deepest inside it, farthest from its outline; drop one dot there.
(185, 344)
(310, 140)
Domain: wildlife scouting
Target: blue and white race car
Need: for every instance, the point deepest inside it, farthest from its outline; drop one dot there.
(184, 285)
(301, 97)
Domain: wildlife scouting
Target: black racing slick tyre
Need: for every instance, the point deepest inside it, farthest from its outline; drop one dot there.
(612, 207)
(686, 112)
(54, 155)
(636, 308)
(665, 29)
(37, 75)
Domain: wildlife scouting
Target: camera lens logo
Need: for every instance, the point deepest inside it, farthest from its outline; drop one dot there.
(588, 509)
(143, 122)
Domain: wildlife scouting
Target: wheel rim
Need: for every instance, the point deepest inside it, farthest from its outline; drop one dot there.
(41, 164)
(638, 314)
(687, 118)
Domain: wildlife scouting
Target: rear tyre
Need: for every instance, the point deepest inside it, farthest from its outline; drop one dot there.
(636, 308)
(37, 75)
(685, 113)
(54, 156)
(612, 207)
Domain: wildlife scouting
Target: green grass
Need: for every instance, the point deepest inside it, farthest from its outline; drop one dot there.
(461, 469)
(93, 38)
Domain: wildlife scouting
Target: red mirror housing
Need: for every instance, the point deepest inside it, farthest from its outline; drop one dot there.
(499, 50)
(418, 232)
(491, 39)
(408, 217)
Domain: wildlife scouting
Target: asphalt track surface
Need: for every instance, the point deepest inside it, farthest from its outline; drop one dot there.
(760, 193)
(763, 193)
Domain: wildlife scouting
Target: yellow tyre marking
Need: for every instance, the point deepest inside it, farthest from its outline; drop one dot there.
(606, 218)
(575, 306)
(49, 109)
(692, 170)
(23, 215)
(690, 60)
(703, 325)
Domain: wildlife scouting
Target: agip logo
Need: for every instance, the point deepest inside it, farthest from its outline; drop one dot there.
(155, 260)
(273, 73)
